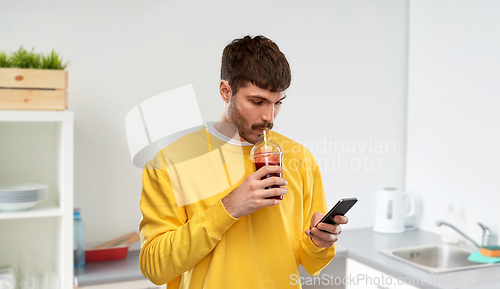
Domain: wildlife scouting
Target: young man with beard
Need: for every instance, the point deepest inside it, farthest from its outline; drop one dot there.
(208, 221)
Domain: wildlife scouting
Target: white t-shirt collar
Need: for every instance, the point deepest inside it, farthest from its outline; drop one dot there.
(213, 131)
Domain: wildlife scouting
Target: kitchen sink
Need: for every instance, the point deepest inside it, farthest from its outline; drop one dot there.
(435, 258)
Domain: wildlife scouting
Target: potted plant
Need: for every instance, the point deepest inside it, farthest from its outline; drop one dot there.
(33, 81)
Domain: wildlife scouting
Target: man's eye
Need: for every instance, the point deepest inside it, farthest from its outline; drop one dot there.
(257, 102)
(279, 103)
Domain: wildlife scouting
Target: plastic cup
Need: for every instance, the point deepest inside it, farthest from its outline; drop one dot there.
(268, 154)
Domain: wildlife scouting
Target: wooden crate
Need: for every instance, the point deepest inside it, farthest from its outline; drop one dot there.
(33, 89)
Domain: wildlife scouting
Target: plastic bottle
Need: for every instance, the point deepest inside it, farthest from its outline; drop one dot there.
(78, 239)
(448, 235)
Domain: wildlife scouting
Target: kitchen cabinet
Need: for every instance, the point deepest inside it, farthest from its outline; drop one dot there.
(362, 276)
(137, 284)
(37, 147)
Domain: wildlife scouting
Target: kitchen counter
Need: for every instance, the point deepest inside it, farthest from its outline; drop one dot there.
(363, 245)
(97, 273)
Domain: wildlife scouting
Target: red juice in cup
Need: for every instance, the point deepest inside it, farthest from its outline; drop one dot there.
(267, 154)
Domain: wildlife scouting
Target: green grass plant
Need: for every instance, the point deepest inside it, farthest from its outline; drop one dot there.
(52, 60)
(23, 58)
(4, 59)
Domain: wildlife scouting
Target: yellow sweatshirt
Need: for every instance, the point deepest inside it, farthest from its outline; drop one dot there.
(188, 238)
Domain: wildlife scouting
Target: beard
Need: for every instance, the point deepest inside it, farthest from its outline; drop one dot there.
(245, 130)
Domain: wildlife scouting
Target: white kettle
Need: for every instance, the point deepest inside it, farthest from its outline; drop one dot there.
(390, 210)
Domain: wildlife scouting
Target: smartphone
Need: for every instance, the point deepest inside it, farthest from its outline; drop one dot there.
(341, 208)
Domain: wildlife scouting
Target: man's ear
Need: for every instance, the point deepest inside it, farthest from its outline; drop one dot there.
(225, 91)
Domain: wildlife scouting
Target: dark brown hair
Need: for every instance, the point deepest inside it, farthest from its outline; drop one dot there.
(257, 60)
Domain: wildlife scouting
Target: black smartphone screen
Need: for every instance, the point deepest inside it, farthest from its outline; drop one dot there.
(341, 208)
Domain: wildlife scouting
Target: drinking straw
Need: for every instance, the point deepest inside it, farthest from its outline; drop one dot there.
(265, 138)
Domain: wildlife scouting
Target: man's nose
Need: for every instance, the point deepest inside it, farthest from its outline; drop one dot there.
(268, 114)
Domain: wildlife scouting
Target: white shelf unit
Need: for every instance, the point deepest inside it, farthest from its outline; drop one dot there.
(37, 146)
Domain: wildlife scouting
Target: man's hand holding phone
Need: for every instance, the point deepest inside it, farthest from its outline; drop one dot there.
(325, 229)
(324, 235)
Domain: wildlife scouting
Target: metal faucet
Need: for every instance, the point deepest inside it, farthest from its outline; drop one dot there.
(488, 239)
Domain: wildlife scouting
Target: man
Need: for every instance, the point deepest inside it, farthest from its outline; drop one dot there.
(208, 221)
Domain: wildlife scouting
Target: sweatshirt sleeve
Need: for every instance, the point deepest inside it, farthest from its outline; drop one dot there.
(171, 244)
(313, 258)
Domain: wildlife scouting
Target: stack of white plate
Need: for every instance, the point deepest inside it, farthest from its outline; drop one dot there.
(7, 279)
(16, 197)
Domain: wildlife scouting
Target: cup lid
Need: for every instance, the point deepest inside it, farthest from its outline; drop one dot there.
(262, 149)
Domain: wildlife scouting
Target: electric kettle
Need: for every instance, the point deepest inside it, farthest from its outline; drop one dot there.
(390, 212)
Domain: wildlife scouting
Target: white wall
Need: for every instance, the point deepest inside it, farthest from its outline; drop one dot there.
(348, 62)
(453, 133)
